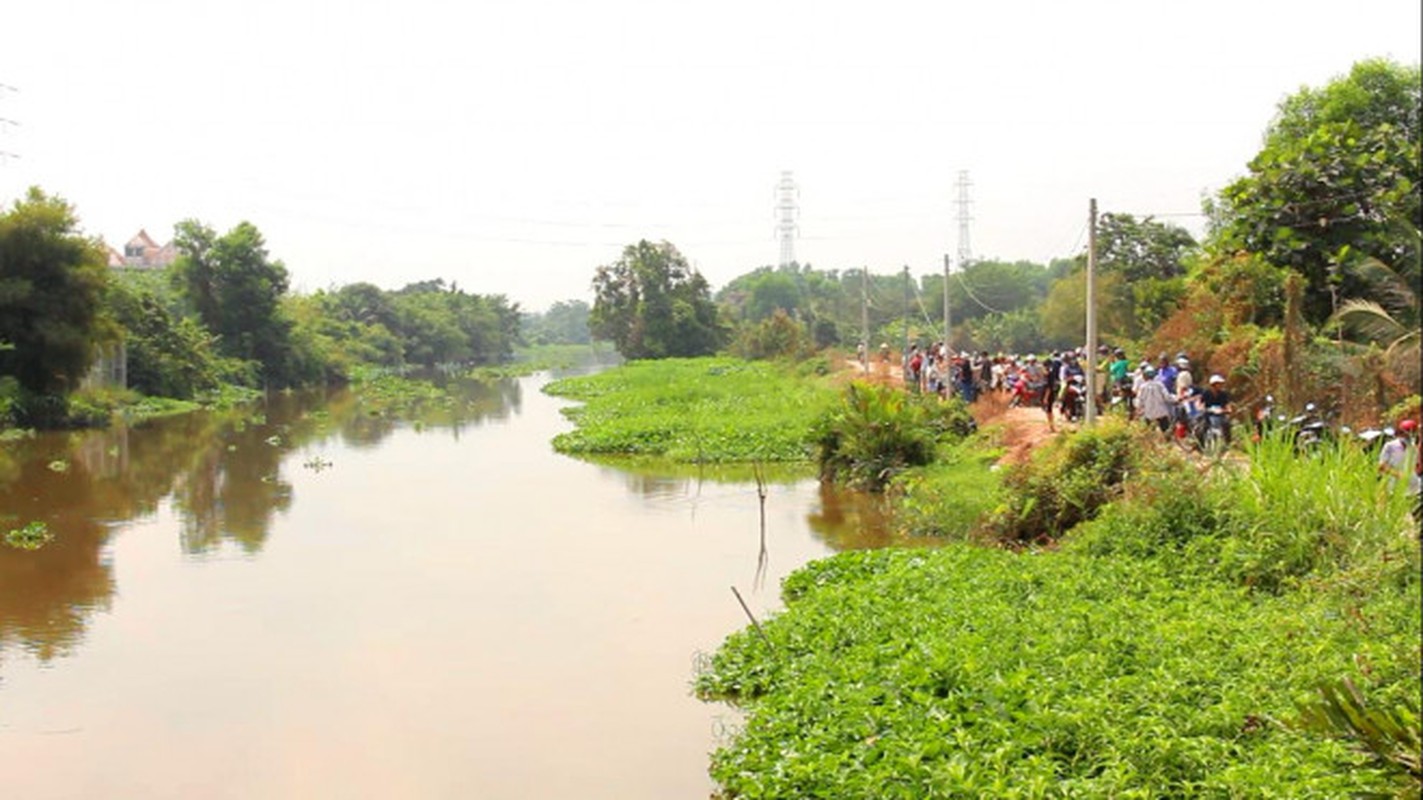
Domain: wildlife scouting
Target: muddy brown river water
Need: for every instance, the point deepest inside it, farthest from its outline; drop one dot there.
(306, 600)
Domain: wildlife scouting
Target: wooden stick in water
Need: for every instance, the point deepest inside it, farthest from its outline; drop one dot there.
(752, 617)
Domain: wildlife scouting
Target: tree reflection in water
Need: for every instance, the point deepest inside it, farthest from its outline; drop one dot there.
(221, 469)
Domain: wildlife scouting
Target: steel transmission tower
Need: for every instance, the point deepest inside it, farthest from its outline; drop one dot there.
(787, 211)
(5, 155)
(965, 250)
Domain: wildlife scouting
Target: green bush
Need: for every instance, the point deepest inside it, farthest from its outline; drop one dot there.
(1165, 509)
(877, 432)
(1069, 481)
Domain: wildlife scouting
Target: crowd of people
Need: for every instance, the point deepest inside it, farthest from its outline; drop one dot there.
(1164, 393)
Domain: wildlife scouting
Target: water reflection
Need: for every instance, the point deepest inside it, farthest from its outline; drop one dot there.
(849, 520)
(227, 475)
(494, 595)
(222, 471)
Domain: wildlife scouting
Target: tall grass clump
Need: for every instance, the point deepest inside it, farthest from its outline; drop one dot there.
(1325, 515)
(877, 432)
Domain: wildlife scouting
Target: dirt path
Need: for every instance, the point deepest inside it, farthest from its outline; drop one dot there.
(1023, 428)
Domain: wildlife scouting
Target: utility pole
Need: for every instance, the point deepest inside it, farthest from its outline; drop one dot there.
(1091, 404)
(947, 319)
(906, 319)
(865, 314)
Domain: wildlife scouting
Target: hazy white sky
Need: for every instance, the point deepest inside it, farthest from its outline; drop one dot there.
(515, 146)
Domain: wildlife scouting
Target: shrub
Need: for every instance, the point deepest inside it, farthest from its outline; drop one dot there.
(1069, 481)
(877, 432)
(1326, 515)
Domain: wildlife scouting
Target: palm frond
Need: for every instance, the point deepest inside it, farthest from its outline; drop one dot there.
(1371, 320)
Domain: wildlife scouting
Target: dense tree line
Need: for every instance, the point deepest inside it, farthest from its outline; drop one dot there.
(222, 313)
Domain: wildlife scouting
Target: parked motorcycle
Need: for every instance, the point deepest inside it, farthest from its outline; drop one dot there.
(1123, 397)
(1310, 429)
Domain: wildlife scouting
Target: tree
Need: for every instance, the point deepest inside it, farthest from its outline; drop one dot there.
(236, 290)
(168, 356)
(1393, 320)
(52, 283)
(1064, 312)
(987, 287)
(1341, 167)
(565, 322)
(442, 324)
(1142, 249)
(651, 304)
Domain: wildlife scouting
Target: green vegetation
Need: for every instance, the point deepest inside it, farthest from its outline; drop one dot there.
(538, 358)
(51, 288)
(950, 497)
(565, 322)
(651, 304)
(30, 536)
(219, 317)
(970, 672)
(693, 410)
(1187, 638)
(877, 432)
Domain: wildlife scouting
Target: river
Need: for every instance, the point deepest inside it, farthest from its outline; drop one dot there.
(312, 599)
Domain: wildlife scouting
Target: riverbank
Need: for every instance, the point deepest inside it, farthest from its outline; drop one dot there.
(1184, 634)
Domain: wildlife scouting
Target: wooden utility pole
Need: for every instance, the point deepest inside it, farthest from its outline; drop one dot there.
(947, 319)
(1091, 401)
(865, 313)
(906, 320)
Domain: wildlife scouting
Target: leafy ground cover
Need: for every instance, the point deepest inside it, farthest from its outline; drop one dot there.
(973, 672)
(1186, 634)
(697, 410)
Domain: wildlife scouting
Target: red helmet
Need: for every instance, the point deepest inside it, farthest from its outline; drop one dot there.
(1408, 425)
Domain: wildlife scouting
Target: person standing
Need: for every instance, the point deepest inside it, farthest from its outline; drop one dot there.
(1394, 458)
(1153, 403)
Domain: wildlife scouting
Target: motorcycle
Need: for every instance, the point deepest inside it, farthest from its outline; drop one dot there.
(1073, 398)
(1123, 397)
(1265, 419)
(1213, 430)
(1310, 429)
(1028, 394)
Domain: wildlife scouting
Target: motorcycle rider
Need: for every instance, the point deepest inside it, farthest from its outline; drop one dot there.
(1215, 396)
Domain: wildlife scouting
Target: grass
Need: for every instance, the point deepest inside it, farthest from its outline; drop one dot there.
(700, 410)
